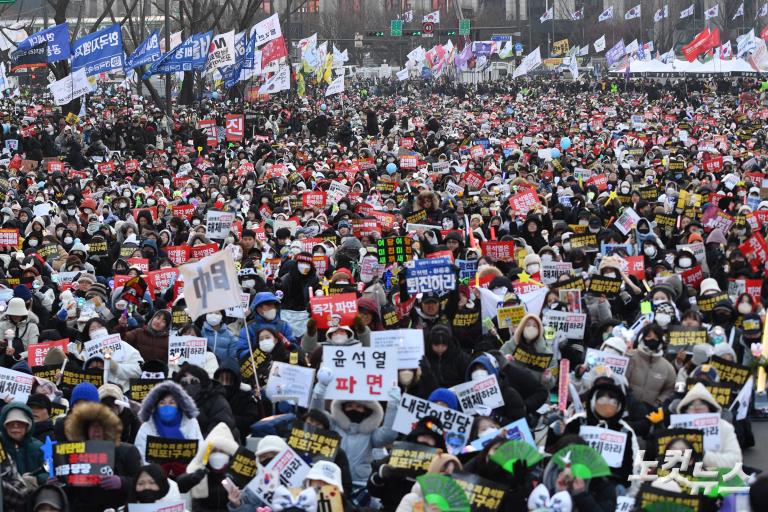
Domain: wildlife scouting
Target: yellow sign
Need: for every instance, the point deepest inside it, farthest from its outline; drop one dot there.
(560, 47)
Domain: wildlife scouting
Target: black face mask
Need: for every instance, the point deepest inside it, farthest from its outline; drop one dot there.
(721, 318)
(653, 345)
(356, 416)
(193, 389)
(148, 496)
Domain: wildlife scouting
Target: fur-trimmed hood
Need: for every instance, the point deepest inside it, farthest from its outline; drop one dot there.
(368, 425)
(183, 400)
(698, 392)
(76, 424)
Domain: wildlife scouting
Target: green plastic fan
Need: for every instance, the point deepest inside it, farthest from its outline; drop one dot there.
(443, 492)
(667, 506)
(721, 482)
(512, 451)
(585, 461)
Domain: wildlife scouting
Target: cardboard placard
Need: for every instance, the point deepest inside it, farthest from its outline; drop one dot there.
(83, 464)
(317, 442)
(360, 373)
(162, 450)
(410, 459)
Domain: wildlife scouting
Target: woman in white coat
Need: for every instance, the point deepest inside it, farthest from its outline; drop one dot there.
(699, 400)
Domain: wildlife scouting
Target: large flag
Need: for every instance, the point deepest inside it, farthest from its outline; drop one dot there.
(583, 51)
(616, 53)
(57, 38)
(725, 52)
(606, 14)
(462, 59)
(687, 12)
(29, 58)
(211, 284)
(745, 43)
(578, 15)
(507, 50)
(99, 52)
(548, 14)
(668, 57)
(432, 17)
(712, 12)
(147, 52)
(700, 44)
(573, 67)
(280, 81)
(661, 14)
(529, 63)
(743, 399)
(336, 87)
(191, 55)
(632, 13)
(739, 12)
(339, 57)
(266, 30)
(221, 51)
(273, 50)
(70, 87)
(600, 44)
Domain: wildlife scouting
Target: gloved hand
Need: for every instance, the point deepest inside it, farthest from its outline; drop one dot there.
(358, 325)
(324, 375)
(311, 327)
(111, 483)
(62, 315)
(395, 394)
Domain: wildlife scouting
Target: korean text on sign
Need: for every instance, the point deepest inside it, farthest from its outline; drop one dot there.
(430, 276)
(360, 373)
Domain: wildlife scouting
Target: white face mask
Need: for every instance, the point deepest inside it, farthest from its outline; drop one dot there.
(99, 333)
(500, 291)
(269, 315)
(546, 258)
(530, 333)
(266, 345)
(532, 269)
(213, 319)
(479, 374)
(342, 283)
(663, 319)
(68, 240)
(685, 262)
(649, 250)
(625, 190)
(744, 308)
(218, 460)
(33, 243)
(339, 338)
(490, 432)
(612, 275)
(304, 268)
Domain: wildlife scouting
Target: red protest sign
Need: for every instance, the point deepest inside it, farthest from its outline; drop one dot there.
(235, 127)
(201, 251)
(152, 211)
(365, 227)
(406, 142)
(209, 127)
(314, 199)
(713, 164)
(522, 202)
(755, 250)
(693, 276)
(119, 280)
(9, 237)
(474, 180)
(178, 254)
(131, 166)
(598, 180)
(409, 161)
(141, 263)
(54, 166)
(36, 352)
(636, 266)
(184, 211)
(160, 280)
(105, 168)
(501, 251)
(477, 151)
(343, 305)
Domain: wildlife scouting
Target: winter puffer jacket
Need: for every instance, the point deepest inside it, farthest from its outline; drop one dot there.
(221, 342)
(26, 455)
(651, 377)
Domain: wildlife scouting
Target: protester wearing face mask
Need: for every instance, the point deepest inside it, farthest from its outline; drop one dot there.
(247, 501)
(150, 340)
(295, 285)
(529, 336)
(152, 485)
(651, 377)
(213, 408)
(205, 473)
(221, 341)
(486, 365)
(265, 314)
(122, 371)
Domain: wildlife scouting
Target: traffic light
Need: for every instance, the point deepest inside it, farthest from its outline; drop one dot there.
(451, 33)
(375, 34)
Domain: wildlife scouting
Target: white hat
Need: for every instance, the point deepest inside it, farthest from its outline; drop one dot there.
(16, 307)
(335, 328)
(709, 285)
(17, 414)
(271, 444)
(326, 471)
(615, 343)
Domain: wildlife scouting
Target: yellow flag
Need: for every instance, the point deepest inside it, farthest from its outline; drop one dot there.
(300, 84)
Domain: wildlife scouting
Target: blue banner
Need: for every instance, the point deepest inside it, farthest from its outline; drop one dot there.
(435, 276)
(147, 52)
(616, 53)
(249, 61)
(57, 38)
(99, 52)
(190, 55)
(231, 74)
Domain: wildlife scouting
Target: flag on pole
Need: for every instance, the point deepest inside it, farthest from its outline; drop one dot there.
(577, 15)
(211, 284)
(712, 12)
(699, 45)
(583, 51)
(745, 43)
(407, 16)
(548, 14)
(280, 81)
(763, 10)
(739, 12)
(668, 57)
(600, 44)
(687, 12)
(433, 17)
(336, 87)
(743, 399)
(606, 14)
(632, 13)
(573, 67)
(661, 14)
(725, 52)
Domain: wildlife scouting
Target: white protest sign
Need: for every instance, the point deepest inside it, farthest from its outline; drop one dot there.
(623, 503)
(290, 382)
(408, 342)
(41, 209)
(218, 224)
(479, 397)
(697, 248)
(336, 192)
(292, 225)
(112, 343)
(360, 373)
(456, 425)
(15, 385)
(210, 284)
(708, 423)
(516, 430)
(552, 270)
(70, 87)
(187, 349)
(570, 324)
(158, 506)
(239, 310)
(609, 443)
(287, 468)
(618, 364)
(627, 220)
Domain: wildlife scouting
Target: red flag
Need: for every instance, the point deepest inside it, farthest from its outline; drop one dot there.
(764, 33)
(714, 38)
(273, 50)
(699, 45)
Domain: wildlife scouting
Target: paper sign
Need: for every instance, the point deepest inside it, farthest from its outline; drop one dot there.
(479, 397)
(360, 373)
(83, 464)
(410, 459)
(16, 385)
(162, 450)
(239, 311)
(36, 352)
(516, 430)
(323, 444)
(609, 443)
(324, 309)
(457, 426)
(551, 271)
(409, 344)
(112, 344)
(218, 224)
(289, 382)
(618, 364)
(287, 468)
(572, 325)
(187, 349)
(709, 423)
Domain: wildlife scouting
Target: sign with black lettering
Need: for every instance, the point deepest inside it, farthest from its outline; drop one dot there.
(140, 388)
(162, 450)
(317, 442)
(707, 304)
(242, 467)
(410, 459)
(83, 464)
(73, 377)
(603, 285)
(531, 359)
(684, 338)
(730, 372)
(483, 495)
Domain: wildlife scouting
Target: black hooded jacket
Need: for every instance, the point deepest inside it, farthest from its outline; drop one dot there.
(245, 408)
(211, 402)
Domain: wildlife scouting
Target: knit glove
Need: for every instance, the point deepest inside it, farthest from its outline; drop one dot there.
(111, 483)
(62, 315)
